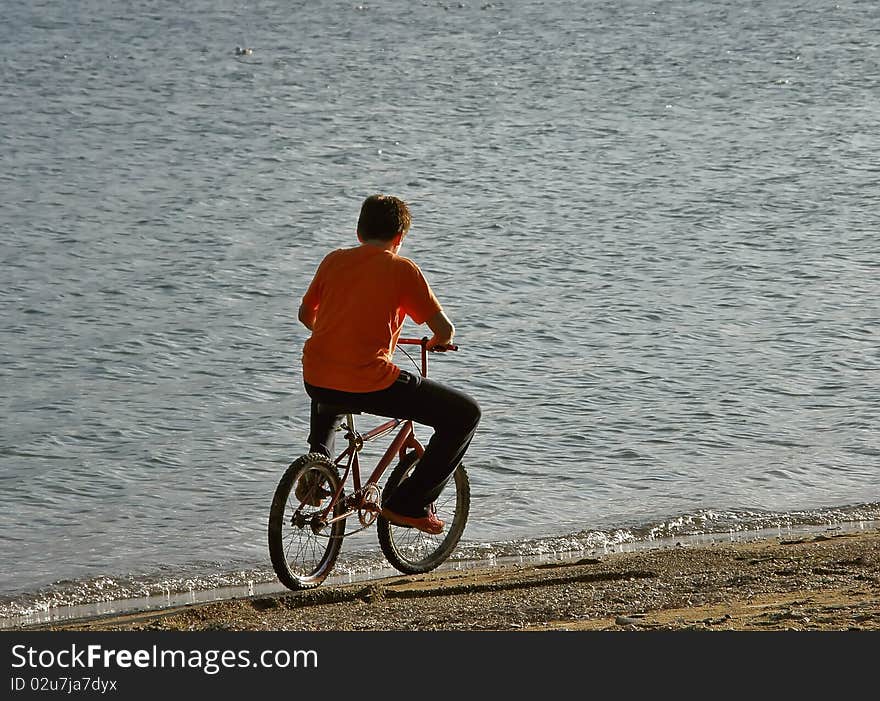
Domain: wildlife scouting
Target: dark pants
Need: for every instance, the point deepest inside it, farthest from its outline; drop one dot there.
(452, 414)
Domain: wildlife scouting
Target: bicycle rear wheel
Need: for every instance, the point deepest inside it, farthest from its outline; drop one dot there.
(413, 551)
(303, 548)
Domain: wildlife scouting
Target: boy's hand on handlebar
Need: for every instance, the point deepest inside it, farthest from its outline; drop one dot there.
(443, 332)
(434, 345)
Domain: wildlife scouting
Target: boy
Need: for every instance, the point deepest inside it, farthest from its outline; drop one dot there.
(355, 307)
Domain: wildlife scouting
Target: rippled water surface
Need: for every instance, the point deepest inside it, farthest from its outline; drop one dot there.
(654, 225)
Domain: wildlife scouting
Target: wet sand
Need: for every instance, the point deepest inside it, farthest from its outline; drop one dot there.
(825, 582)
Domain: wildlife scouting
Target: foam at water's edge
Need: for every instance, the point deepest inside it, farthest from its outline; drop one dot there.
(102, 609)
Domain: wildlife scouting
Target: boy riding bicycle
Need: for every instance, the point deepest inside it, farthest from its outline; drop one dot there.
(355, 307)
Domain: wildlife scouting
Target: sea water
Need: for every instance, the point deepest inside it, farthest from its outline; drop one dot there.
(654, 224)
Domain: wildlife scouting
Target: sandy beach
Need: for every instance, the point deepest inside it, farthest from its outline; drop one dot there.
(827, 582)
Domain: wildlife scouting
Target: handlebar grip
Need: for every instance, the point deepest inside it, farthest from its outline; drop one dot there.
(439, 349)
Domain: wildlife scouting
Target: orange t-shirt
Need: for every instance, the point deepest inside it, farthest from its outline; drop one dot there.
(362, 296)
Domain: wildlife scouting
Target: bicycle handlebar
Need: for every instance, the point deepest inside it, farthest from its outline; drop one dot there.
(423, 342)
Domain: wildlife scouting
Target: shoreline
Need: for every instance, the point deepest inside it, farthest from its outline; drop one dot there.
(809, 582)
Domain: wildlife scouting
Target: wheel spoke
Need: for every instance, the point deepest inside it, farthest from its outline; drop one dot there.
(413, 551)
(302, 557)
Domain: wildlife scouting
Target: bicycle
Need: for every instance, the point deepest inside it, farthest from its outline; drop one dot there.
(310, 507)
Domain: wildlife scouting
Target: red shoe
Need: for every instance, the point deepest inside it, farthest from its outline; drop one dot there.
(429, 524)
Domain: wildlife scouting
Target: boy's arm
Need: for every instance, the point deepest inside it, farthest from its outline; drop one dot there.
(307, 316)
(311, 300)
(443, 330)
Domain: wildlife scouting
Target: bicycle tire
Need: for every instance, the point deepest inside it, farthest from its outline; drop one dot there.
(412, 551)
(301, 556)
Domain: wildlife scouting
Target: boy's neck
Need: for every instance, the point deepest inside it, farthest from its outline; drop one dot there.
(393, 245)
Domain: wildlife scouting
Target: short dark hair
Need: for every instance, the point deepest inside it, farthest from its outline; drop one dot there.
(383, 217)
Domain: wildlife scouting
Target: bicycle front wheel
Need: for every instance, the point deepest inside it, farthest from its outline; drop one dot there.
(303, 548)
(413, 551)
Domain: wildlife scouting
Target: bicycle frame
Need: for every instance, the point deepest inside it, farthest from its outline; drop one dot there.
(365, 497)
(315, 496)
